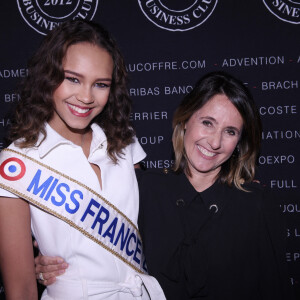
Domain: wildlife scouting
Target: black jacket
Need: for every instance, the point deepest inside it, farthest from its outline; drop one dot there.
(220, 244)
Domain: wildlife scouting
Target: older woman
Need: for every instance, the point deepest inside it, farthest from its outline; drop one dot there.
(210, 231)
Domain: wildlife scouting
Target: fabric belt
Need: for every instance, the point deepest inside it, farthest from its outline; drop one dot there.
(137, 286)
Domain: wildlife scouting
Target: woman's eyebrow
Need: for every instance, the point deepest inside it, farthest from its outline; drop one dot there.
(81, 76)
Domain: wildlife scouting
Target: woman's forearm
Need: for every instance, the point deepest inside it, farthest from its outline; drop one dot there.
(16, 251)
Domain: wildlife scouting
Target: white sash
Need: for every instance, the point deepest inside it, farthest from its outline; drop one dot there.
(74, 203)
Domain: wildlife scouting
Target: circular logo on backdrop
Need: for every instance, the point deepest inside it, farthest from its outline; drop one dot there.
(177, 15)
(285, 10)
(12, 169)
(44, 15)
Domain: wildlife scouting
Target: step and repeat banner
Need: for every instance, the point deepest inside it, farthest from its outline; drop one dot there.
(168, 45)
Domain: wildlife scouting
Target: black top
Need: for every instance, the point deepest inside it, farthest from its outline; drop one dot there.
(220, 244)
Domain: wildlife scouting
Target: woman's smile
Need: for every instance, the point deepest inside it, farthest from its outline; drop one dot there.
(79, 111)
(205, 152)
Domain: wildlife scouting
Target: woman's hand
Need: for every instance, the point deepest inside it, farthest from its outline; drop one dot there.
(48, 268)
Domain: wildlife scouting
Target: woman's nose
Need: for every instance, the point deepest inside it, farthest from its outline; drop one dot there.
(215, 140)
(85, 95)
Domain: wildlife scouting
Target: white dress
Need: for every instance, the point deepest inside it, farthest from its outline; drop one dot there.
(93, 272)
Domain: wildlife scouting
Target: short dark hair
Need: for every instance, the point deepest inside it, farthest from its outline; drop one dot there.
(45, 74)
(240, 167)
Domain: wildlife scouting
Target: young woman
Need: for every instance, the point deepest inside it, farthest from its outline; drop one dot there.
(69, 174)
(209, 231)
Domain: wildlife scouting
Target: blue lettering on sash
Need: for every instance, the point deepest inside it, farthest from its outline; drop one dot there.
(51, 189)
(137, 250)
(75, 201)
(110, 231)
(98, 219)
(88, 209)
(121, 234)
(61, 194)
(130, 252)
(145, 265)
(35, 184)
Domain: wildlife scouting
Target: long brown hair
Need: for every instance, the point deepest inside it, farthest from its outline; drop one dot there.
(45, 74)
(240, 167)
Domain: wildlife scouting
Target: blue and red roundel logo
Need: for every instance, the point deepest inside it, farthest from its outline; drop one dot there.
(12, 169)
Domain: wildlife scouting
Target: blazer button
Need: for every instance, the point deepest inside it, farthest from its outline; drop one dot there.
(180, 202)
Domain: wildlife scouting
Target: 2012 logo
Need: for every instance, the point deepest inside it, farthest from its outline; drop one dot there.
(177, 15)
(285, 10)
(44, 15)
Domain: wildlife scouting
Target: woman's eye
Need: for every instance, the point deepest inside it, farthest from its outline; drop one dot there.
(206, 123)
(231, 132)
(102, 85)
(72, 79)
